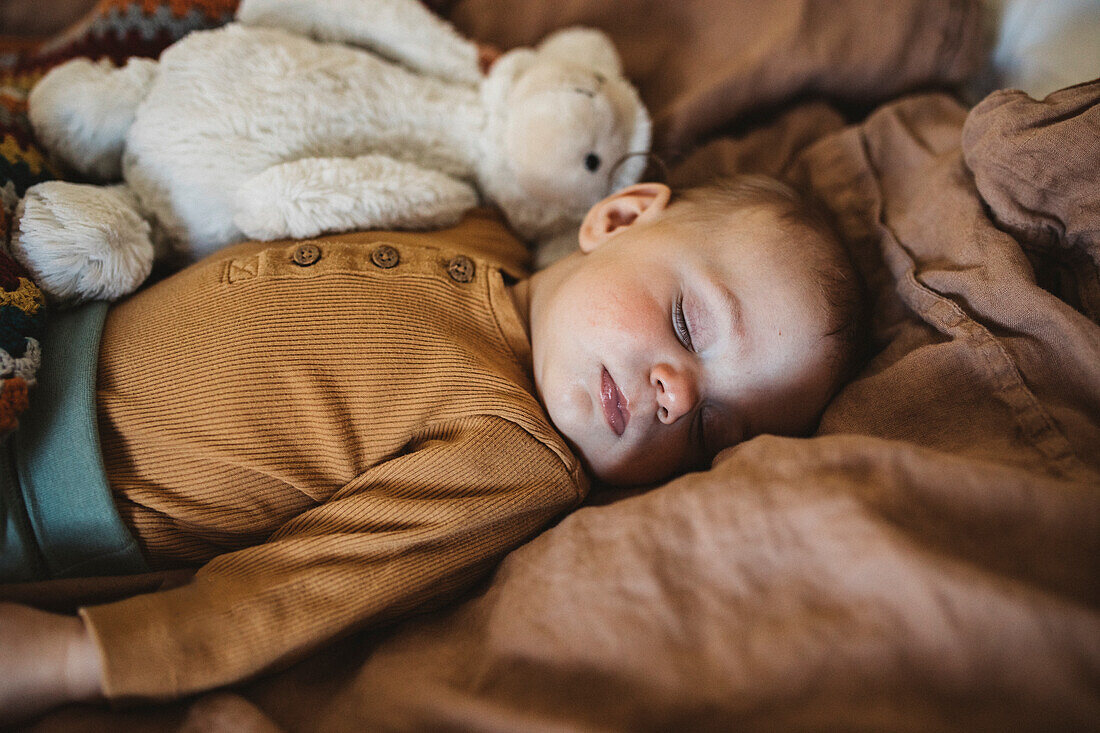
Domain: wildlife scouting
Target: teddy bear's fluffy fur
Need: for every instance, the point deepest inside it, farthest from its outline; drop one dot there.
(257, 131)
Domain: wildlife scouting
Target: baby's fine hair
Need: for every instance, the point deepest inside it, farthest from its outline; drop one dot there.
(811, 229)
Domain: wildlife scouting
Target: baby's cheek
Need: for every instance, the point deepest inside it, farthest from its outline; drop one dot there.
(620, 312)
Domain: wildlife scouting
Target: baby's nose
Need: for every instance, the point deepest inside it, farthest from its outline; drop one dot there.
(676, 392)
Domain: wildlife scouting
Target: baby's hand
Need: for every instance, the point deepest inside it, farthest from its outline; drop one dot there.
(47, 660)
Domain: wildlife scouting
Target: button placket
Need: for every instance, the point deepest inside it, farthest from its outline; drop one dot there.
(461, 269)
(385, 256)
(306, 255)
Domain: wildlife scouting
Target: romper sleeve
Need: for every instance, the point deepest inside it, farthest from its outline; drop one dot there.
(402, 536)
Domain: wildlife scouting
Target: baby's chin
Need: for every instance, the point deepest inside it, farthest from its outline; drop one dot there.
(625, 474)
(596, 469)
(592, 451)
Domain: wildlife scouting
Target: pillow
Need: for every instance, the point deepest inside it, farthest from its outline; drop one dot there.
(705, 64)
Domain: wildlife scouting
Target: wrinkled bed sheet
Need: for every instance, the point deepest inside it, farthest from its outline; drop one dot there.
(930, 559)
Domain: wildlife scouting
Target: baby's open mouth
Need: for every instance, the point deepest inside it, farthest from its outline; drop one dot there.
(614, 404)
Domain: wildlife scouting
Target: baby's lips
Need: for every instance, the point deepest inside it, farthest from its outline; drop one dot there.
(613, 403)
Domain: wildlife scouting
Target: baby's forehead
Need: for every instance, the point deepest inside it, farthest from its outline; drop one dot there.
(755, 249)
(714, 216)
(756, 230)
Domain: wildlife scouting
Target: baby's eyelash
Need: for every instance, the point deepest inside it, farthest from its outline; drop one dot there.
(679, 324)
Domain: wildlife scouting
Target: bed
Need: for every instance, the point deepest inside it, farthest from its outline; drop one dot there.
(928, 560)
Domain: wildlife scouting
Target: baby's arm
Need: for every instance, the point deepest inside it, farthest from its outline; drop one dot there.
(400, 537)
(403, 30)
(48, 660)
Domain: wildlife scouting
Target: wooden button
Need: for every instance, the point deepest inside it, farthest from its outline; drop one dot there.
(306, 255)
(461, 269)
(385, 256)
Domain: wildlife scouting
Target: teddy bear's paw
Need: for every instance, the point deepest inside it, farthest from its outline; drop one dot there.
(82, 242)
(81, 111)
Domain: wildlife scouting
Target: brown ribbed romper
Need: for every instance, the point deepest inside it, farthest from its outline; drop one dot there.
(342, 430)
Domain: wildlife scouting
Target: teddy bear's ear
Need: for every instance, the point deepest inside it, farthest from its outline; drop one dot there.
(502, 76)
(585, 46)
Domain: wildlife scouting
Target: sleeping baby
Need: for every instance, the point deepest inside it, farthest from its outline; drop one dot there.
(340, 431)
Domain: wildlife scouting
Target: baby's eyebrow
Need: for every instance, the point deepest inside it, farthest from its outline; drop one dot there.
(731, 305)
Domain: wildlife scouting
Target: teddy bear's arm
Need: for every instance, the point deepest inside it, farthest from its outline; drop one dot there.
(402, 30)
(83, 242)
(310, 196)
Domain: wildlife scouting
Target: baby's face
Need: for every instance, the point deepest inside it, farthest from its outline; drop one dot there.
(669, 340)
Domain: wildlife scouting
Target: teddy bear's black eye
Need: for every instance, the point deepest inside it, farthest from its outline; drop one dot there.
(592, 162)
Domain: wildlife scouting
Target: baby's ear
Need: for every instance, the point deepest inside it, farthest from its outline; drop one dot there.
(637, 204)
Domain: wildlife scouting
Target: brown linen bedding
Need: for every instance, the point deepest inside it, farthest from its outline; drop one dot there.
(930, 559)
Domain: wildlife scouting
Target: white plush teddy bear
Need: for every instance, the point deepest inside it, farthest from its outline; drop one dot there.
(258, 131)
